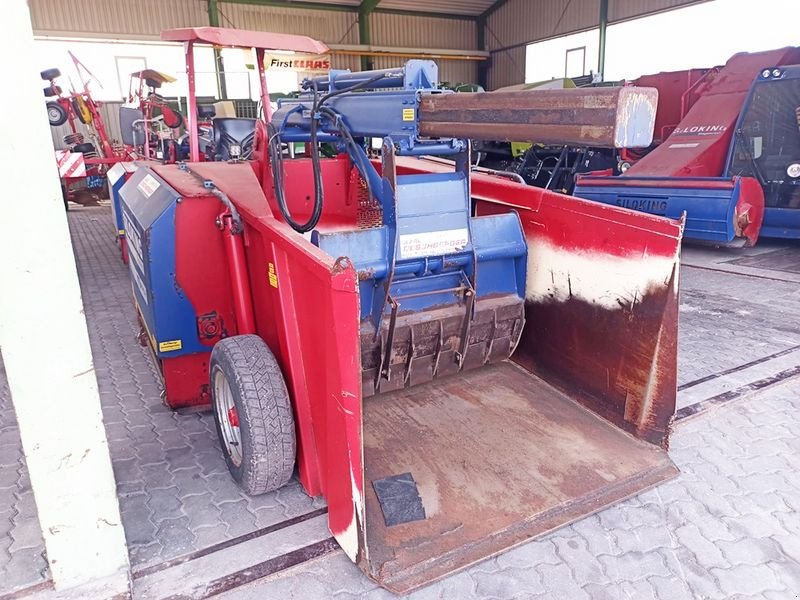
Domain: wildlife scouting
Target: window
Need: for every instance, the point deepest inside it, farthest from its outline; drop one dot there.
(569, 56)
(575, 63)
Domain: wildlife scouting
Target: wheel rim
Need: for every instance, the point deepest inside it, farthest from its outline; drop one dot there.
(225, 411)
(53, 114)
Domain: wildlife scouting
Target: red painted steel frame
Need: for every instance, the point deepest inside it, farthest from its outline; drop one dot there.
(619, 360)
(234, 38)
(699, 144)
(240, 284)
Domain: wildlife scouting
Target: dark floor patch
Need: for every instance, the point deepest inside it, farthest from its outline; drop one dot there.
(786, 260)
(399, 499)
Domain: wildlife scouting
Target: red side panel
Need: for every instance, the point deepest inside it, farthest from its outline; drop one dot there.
(306, 309)
(676, 93)
(699, 145)
(186, 380)
(601, 300)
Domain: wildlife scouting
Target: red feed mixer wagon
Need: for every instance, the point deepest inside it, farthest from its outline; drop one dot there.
(456, 362)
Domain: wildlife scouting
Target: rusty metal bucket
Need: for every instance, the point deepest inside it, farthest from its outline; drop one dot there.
(463, 467)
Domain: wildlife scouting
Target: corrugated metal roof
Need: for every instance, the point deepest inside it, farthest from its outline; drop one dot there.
(332, 27)
(522, 21)
(454, 7)
(423, 32)
(622, 10)
(143, 19)
(525, 21)
(507, 68)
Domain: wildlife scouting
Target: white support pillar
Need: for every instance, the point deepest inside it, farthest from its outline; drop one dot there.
(45, 343)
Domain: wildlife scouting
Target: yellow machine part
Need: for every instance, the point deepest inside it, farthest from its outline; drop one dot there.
(84, 114)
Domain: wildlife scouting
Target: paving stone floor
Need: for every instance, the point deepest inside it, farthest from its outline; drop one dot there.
(727, 526)
(22, 560)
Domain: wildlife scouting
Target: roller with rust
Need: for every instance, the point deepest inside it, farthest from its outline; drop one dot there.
(607, 117)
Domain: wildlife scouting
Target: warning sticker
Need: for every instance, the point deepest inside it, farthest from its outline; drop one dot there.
(433, 243)
(148, 185)
(273, 276)
(170, 346)
(408, 114)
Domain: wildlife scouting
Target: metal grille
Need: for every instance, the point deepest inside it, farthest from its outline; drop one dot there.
(369, 214)
(246, 109)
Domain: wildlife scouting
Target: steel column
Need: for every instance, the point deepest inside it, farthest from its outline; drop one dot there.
(262, 82)
(601, 58)
(483, 66)
(191, 117)
(219, 65)
(364, 30)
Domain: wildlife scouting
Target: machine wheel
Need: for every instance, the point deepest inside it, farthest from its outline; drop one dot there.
(172, 118)
(51, 90)
(84, 147)
(56, 114)
(81, 110)
(253, 414)
(49, 74)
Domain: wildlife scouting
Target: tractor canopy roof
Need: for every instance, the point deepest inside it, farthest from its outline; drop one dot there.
(240, 38)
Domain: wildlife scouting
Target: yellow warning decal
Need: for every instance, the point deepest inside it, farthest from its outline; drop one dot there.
(408, 114)
(170, 346)
(273, 276)
(120, 232)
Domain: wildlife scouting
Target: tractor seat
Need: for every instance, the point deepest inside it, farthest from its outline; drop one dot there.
(229, 131)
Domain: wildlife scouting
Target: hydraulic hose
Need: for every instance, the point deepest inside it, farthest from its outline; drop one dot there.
(276, 154)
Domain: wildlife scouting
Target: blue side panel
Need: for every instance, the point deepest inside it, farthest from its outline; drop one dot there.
(502, 254)
(432, 203)
(148, 207)
(366, 249)
(709, 212)
(781, 223)
(116, 179)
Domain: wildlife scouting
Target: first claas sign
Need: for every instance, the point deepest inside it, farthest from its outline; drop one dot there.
(297, 62)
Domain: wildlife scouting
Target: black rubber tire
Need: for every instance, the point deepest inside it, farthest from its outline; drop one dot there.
(266, 421)
(56, 114)
(49, 74)
(51, 90)
(85, 147)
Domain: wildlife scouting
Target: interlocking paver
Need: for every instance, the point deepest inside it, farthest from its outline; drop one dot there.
(686, 542)
(166, 458)
(21, 544)
(727, 528)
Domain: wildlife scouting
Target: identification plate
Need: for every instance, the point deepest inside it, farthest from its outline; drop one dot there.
(170, 346)
(433, 243)
(148, 185)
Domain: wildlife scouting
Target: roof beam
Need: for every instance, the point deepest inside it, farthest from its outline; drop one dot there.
(498, 4)
(295, 4)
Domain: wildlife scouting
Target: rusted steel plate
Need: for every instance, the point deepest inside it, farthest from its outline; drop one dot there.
(601, 301)
(498, 456)
(611, 117)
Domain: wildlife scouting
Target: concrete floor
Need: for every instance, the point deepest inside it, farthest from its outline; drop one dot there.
(729, 526)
